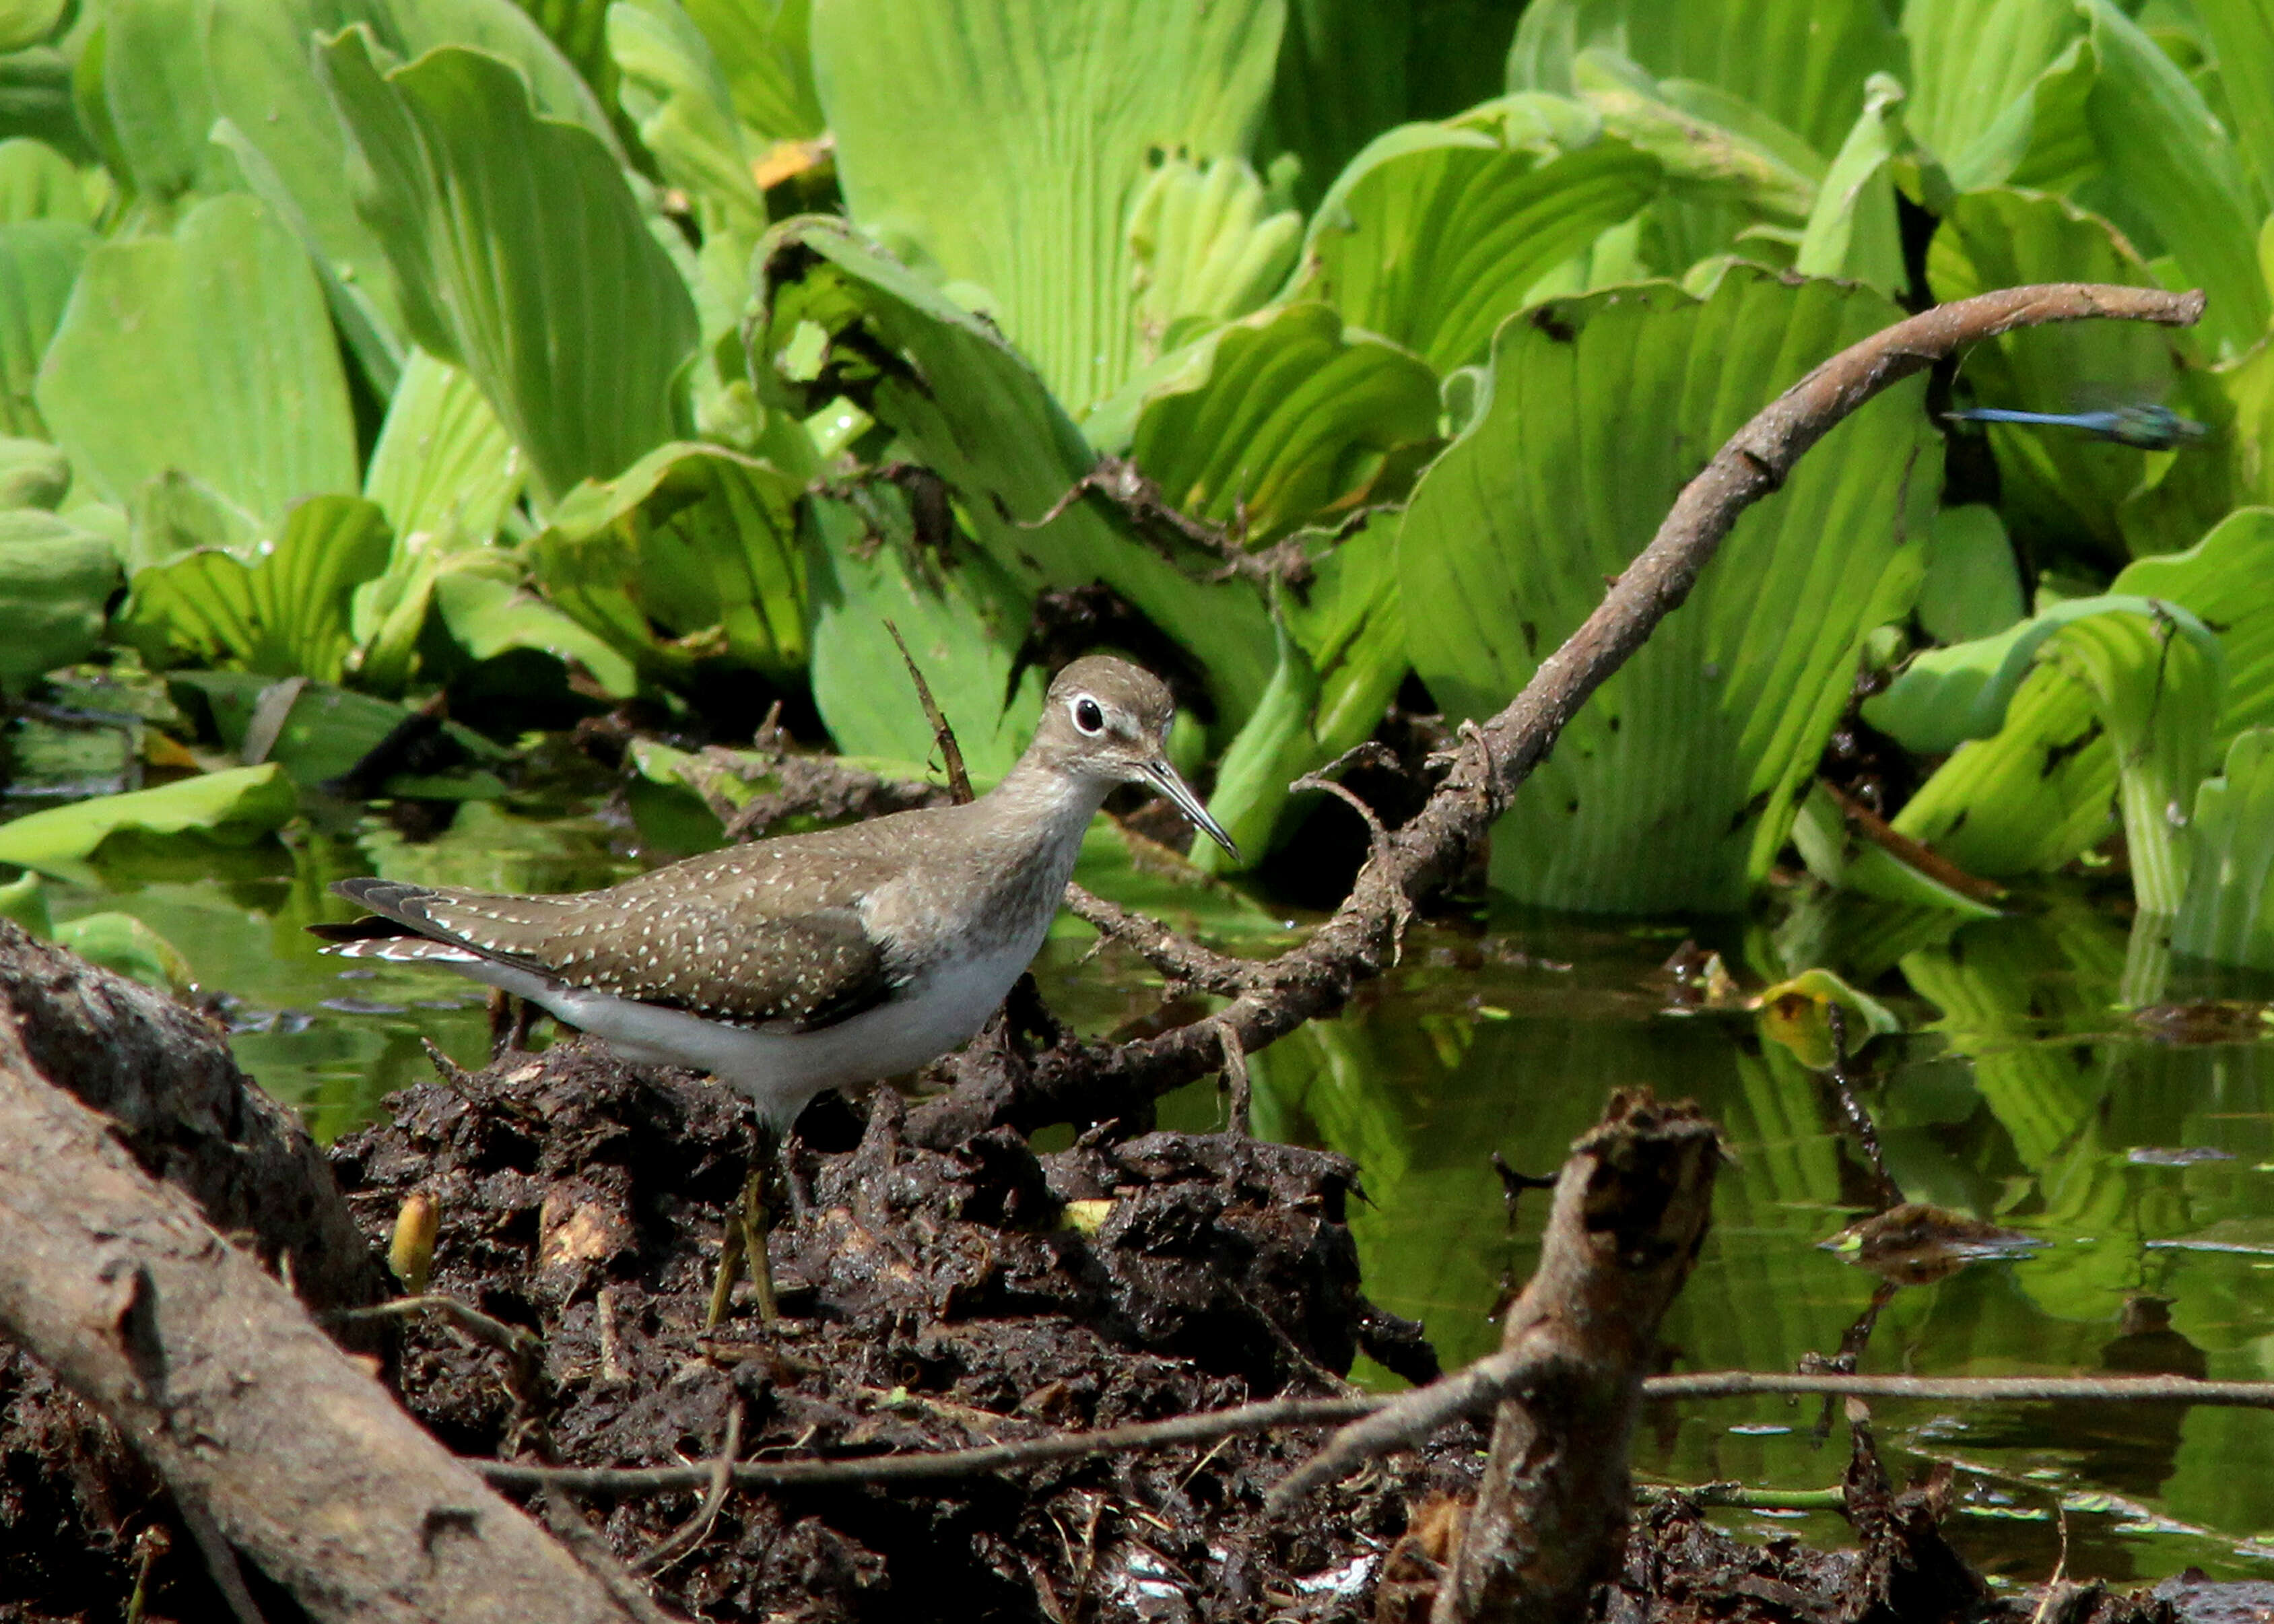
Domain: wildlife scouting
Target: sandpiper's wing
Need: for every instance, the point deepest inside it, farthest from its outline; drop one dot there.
(731, 953)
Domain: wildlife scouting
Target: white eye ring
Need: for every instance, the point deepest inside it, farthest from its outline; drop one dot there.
(1089, 716)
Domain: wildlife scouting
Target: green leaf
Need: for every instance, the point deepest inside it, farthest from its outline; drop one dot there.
(762, 47)
(2036, 793)
(1990, 86)
(39, 261)
(1284, 419)
(1852, 230)
(33, 474)
(1601, 409)
(1712, 148)
(954, 119)
(1203, 247)
(522, 254)
(963, 615)
(174, 512)
(2173, 164)
(1271, 752)
(1833, 854)
(318, 732)
(834, 318)
(1801, 62)
(290, 614)
(2057, 488)
(122, 942)
(1436, 232)
(2242, 37)
(25, 900)
(2228, 913)
(158, 97)
(443, 462)
(209, 352)
(508, 32)
(485, 606)
(25, 23)
(1797, 1014)
(673, 90)
(1972, 588)
(690, 558)
(1123, 866)
(235, 807)
(55, 581)
(38, 182)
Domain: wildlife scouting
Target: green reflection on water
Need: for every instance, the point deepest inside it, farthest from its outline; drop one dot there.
(2020, 1094)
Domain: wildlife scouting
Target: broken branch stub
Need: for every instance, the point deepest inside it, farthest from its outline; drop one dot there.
(1629, 1216)
(263, 1430)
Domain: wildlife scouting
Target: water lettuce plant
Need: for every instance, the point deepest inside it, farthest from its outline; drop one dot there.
(672, 347)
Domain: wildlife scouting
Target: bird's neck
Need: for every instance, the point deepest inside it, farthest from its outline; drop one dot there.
(1041, 806)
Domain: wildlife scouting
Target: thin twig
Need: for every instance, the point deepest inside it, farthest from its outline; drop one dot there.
(1235, 1079)
(1211, 1425)
(1200, 968)
(511, 1339)
(951, 753)
(221, 1559)
(690, 1533)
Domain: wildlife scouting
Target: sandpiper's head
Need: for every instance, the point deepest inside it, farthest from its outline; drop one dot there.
(1107, 721)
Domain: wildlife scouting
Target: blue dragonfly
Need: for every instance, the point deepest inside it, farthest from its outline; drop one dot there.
(2150, 428)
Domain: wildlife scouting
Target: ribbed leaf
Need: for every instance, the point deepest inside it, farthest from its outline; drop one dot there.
(689, 558)
(239, 805)
(2173, 166)
(38, 182)
(963, 617)
(762, 47)
(158, 99)
(488, 610)
(673, 90)
(1801, 62)
(2228, 916)
(1675, 785)
(2242, 38)
(1286, 419)
(835, 317)
(2038, 793)
(1851, 232)
(1972, 588)
(522, 256)
(1436, 232)
(1981, 97)
(290, 614)
(1205, 247)
(443, 461)
(957, 125)
(2058, 488)
(209, 352)
(40, 261)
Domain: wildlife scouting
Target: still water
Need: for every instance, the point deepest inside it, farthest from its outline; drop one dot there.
(2139, 1154)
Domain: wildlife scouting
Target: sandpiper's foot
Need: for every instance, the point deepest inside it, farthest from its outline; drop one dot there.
(749, 1222)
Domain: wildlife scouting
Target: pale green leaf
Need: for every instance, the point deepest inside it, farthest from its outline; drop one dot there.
(174, 512)
(1972, 588)
(2242, 34)
(235, 807)
(690, 557)
(1675, 785)
(1271, 751)
(1203, 247)
(210, 352)
(33, 474)
(1286, 419)
(762, 47)
(39, 261)
(508, 31)
(290, 614)
(955, 120)
(1435, 233)
(158, 97)
(673, 90)
(2173, 164)
(1852, 230)
(835, 318)
(963, 615)
(522, 255)
(122, 942)
(38, 182)
(2228, 914)
(1801, 62)
(1984, 85)
(55, 581)
(487, 611)
(443, 462)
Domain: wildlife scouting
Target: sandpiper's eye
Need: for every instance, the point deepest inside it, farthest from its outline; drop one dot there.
(1087, 716)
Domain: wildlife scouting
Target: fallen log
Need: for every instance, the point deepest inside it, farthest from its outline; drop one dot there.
(176, 1099)
(272, 1439)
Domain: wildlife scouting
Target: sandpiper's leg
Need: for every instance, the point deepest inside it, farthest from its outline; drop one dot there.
(749, 1221)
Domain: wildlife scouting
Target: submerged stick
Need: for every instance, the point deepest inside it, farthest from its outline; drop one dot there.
(1490, 761)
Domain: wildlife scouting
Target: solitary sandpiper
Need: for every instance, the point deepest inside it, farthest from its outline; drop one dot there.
(792, 966)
